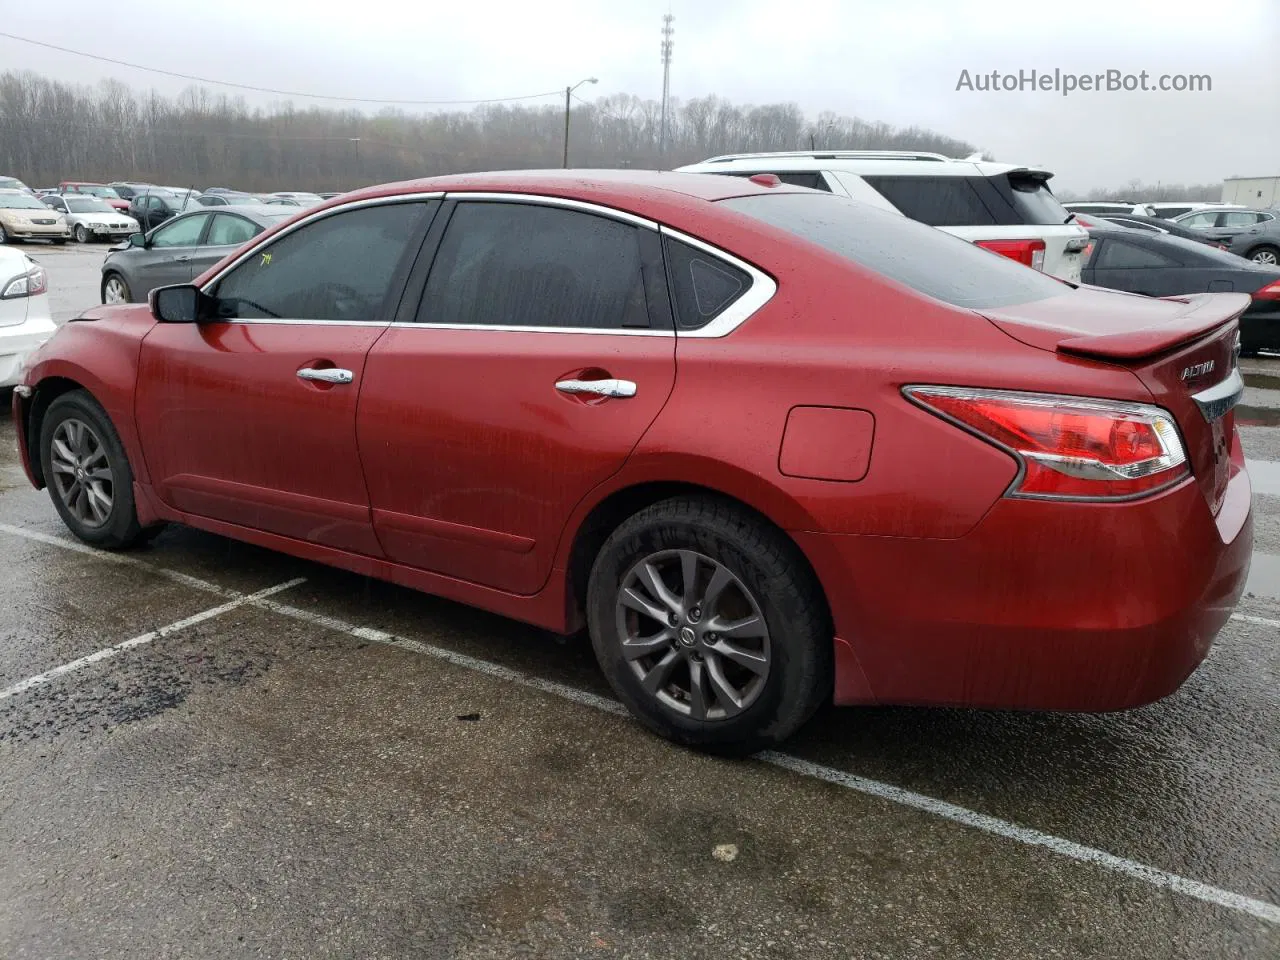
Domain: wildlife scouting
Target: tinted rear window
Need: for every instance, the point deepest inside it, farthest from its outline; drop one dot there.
(938, 201)
(1031, 198)
(922, 258)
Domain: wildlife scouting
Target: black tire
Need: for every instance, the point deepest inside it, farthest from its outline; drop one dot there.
(120, 528)
(82, 233)
(124, 285)
(1265, 249)
(768, 565)
(4, 235)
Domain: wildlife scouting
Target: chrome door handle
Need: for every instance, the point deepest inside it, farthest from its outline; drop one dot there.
(618, 389)
(181, 259)
(327, 375)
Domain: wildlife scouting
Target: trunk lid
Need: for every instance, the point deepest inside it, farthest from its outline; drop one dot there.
(1184, 350)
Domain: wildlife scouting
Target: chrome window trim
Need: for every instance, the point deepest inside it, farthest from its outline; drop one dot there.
(550, 201)
(255, 248)
(610, 331)
(737, 313)
(292, 322)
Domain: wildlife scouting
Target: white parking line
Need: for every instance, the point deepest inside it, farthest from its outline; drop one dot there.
(144, 638)
(940, 808)
(1162, 879)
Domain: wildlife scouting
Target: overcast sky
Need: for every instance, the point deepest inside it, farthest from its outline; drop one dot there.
(897, 61)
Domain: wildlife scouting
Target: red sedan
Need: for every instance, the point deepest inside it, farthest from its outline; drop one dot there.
(770, 446)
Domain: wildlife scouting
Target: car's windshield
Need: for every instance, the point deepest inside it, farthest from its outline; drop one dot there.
(20, 201)
(88, 205)
(918, 256)
(11, 183)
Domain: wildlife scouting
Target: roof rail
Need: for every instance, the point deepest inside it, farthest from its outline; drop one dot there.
(834, 155)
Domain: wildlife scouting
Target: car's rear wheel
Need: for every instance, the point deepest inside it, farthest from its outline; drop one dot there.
(87, 473)
(4, 235)
(115, 289)
(82, 233)
(1269, 256)
(709, 625)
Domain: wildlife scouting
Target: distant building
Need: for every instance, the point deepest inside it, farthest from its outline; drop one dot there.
(1260, 192)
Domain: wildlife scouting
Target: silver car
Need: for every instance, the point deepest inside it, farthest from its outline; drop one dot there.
(91, 218)
(181, 249)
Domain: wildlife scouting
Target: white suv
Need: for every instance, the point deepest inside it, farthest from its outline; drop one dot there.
(1005, 208)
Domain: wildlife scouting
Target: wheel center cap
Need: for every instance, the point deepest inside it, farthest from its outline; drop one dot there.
(687, 636)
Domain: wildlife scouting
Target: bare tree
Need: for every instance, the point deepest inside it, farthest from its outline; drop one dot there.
(51, 131)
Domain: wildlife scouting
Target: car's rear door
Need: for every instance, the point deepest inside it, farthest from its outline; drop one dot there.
(250, 419)
(532, 352)
(1130, 265)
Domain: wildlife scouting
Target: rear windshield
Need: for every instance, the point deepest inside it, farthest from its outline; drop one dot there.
(1031, 198)
(920, 257)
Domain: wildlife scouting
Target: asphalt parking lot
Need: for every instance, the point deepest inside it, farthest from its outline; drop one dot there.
(211, 750)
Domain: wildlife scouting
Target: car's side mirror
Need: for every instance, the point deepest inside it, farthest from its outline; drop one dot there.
(180, 303)
(137, 240)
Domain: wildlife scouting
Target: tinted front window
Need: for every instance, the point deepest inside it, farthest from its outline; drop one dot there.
(937, 201)
(184, 232)
(1121, 255)
(926, 260)
(529, 265)
(338, 268)
(226, 231)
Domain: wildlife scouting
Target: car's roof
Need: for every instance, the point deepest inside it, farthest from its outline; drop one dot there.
(908, 163)
(622, 188)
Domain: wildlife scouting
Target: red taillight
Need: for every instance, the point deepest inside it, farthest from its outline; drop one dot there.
(1029, 252)
(1069, 447)
(1270, 292)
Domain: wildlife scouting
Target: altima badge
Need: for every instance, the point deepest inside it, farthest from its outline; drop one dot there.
(1197, 370)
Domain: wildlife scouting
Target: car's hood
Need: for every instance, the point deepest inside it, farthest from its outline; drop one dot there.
(24, 216)
(98, 218)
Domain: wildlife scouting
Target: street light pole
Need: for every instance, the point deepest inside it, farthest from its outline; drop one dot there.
(568, 92)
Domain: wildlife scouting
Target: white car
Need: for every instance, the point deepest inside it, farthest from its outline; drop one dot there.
(1172, 209)
(1005, 208)
(91, 218)
(25, 321)
(1110, 208)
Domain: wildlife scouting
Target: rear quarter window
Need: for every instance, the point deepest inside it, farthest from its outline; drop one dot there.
(919, 257)
(937, 201)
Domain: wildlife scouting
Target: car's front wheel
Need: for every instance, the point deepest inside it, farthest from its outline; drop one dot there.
(115, 289)
(82, 233)
(87, 473)
(709, 625)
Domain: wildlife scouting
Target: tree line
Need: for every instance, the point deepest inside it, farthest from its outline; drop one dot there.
(1136, 191)
(52, 131)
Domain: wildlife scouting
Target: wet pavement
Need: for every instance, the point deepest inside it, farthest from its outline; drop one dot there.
(351, 769)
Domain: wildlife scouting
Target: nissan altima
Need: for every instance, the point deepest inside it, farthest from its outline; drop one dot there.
(769, 446)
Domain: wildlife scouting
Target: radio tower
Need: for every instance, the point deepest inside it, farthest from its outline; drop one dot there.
(667, 32)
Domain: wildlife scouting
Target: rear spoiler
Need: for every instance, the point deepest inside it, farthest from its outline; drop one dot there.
(1205, 312)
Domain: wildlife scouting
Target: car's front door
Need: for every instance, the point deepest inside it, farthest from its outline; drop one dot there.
(250, 418)
(169, 252)
(226, 232)
(540, 350)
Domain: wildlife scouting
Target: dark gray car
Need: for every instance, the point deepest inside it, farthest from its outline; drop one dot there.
(1259, 243)
(181, 249)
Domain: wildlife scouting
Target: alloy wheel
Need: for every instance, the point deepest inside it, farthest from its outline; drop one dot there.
(82, 472)
(693, 634)
(113, 291)
(82, 234)
(1265, 256)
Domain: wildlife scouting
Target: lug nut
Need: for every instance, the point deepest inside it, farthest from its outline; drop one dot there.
(673, 619)
(711, 636)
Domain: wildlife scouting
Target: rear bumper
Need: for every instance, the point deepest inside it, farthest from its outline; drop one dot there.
(1044, 605)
